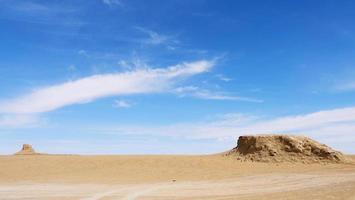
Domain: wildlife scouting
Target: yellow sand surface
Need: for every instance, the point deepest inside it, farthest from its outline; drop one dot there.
(169, 177)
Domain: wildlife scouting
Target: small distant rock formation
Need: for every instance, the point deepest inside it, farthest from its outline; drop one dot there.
(284, 148)
(27, 150)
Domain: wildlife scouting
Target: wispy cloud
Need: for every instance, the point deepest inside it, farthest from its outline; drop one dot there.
(331, 126)
(223, 78)
(84, 53)
(206, 94)
(19, 121)
(122, 104)
(48, 13)
(155, 38)
(138, 81)
(112, 3)
(30, 7)
(134, 63)
(348, 86)
(72, 68)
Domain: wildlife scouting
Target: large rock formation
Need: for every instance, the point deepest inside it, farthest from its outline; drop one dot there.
(284, 148)
(26, 150)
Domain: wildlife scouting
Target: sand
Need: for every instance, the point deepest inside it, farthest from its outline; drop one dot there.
(152, 177)
(260, 167)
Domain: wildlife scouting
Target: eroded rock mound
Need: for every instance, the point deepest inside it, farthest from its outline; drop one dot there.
(26, 150)
(284, 148)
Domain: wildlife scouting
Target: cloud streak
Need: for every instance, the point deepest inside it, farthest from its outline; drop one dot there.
(112, 3)
(40, 13)
(155, 38)
(335, 127)
(19, 121)
(122, 104)
(349, 86)
(208, 95)
(84, 90)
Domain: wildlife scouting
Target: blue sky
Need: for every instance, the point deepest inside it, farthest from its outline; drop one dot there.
(131, 77)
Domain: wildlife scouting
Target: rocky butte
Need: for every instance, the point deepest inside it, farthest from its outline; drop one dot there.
(284, 148)
(26, 150)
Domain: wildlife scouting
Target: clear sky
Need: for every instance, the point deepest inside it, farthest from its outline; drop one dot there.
(141, 77)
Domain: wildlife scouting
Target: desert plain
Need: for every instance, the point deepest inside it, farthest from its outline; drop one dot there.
(178, 177)
(169, 177)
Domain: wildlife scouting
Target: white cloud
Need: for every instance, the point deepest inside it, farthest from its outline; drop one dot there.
(19, 121)
(139, 81)
(223, 78)
(124, 64)
(335, 127)
(155, 38)
(112, 2)
(206, 94)
(287, 124)
(83, 53)
(349, 86)
(134, 63)
(30, 7)
(122, 104)
(72, 68)
(43, 13)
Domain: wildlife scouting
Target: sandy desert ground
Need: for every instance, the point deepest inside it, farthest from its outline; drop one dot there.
(67, 177)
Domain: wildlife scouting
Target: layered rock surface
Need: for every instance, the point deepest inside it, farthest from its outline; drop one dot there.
(26, 150)
(284, 148)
